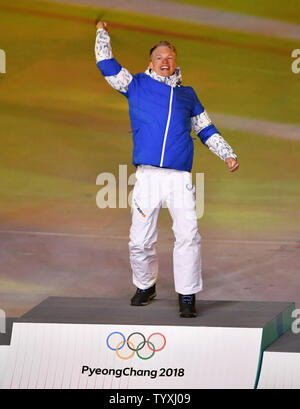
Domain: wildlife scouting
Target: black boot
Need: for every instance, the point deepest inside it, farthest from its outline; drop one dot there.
(143, 297)
(187, 306)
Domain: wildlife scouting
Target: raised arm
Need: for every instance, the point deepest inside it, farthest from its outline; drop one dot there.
(210, 136)
(117, 76)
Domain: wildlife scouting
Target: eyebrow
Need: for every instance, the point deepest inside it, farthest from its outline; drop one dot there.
(159, 55)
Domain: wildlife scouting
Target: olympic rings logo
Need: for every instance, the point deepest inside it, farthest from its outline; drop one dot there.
(135, 343)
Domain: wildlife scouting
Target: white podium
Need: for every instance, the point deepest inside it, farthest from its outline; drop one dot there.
(281, 363)
(78, 343)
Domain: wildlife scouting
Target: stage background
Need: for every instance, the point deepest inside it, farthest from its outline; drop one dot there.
(62, 125)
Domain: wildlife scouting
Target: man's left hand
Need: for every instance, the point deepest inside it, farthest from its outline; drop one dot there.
(232, 164)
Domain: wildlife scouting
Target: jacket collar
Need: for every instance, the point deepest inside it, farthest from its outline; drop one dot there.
(173, 80)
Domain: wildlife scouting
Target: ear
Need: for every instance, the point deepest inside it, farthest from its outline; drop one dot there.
(151, 65)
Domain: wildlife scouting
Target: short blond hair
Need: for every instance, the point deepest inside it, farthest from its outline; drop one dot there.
(165, 44)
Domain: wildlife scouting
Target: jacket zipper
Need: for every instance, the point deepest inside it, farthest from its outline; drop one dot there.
(167, 129)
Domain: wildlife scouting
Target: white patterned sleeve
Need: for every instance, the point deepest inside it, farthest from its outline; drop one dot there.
(103, 49)
(121, 77)
(215, 142)
(201, 121)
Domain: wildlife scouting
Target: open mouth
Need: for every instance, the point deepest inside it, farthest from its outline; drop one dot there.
(164, 68)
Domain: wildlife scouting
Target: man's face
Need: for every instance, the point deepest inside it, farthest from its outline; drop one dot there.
(163, 61)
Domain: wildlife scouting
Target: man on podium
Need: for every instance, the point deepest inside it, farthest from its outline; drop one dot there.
(163, 112)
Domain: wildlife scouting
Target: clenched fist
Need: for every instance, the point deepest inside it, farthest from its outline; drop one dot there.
(101, 24)
(232, 164)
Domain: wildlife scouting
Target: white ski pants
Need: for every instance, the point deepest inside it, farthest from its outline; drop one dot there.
(153, 187)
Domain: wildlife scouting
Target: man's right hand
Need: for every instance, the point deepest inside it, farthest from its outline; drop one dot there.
(101, 24)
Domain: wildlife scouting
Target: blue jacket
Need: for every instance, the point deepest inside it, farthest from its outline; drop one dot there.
(160, 119)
